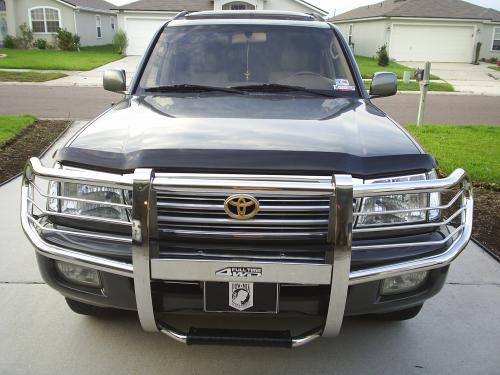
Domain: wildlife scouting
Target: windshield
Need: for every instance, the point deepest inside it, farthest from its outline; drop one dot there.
(249, 58)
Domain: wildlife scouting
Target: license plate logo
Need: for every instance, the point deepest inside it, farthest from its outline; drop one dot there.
(241, 295)
(240, 272)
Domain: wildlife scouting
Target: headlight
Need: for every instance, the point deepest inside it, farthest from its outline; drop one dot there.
(86, 200)
(404, 202)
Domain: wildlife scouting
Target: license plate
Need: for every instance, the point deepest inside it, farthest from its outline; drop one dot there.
(241, 297)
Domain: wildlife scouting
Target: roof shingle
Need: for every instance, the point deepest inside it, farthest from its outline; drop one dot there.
(169, 5)
(455, 9)
(92, 4)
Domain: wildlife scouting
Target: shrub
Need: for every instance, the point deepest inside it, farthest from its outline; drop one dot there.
(26, 38)
(76, 42)
(383, 56)
(493, 60)
(10, 41)
(120, 42)
(67, 41)
(478, 50)
(41, 44)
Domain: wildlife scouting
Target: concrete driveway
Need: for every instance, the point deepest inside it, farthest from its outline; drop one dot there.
(457, 332)
(466, 78)
(93, 78)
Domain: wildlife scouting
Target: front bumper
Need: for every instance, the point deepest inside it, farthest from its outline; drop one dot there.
(334, 274)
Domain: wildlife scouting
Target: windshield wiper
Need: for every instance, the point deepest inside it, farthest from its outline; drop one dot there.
(276, 87)
(193, 88)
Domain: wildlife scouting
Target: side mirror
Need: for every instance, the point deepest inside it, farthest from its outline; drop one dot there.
(383, 84)
(114, 80)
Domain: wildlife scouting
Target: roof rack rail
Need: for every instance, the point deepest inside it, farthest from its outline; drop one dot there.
(181, 14)
(271, 15)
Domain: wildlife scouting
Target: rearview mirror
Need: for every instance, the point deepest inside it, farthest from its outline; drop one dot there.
(114, 80)
(249, 37)
(383, 84)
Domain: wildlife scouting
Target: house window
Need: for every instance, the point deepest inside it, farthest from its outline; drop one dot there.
(112, 20)
(238, 5)
(45, 20)
(98, 26)
(496, 39)
(350, 35)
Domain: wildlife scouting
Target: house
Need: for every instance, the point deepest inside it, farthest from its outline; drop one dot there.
(92, 20)
(140, 19)
(423, 30)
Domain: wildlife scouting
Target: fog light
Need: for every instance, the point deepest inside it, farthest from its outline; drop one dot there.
(79, 275)
(403, 283)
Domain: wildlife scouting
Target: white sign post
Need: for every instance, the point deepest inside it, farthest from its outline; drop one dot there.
(424, 87)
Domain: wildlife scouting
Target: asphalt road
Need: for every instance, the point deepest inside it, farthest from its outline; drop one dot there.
(88, 102)
(56, 102)
(443, 109)
(456, 333)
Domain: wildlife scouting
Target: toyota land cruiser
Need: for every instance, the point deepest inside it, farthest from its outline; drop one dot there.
(246, 191)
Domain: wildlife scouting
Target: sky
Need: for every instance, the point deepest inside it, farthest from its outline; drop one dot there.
(342, 6)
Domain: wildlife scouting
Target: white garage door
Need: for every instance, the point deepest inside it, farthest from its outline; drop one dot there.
(140, 31)
(432, 43)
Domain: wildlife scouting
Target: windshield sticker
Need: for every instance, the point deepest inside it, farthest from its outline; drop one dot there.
(342, 82)
(343, 85)
(344, 88)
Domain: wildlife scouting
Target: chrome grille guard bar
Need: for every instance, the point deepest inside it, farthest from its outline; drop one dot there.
(335, 272)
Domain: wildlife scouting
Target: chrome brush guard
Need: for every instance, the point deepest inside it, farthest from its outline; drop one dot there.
(335, 271)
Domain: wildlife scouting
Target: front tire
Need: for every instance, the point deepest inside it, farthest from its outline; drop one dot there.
(89, 310)
(400, 315)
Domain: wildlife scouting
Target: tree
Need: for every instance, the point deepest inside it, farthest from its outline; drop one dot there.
(383, 56)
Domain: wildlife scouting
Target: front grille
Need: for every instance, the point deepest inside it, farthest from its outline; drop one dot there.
(184, 214)
(310, 253)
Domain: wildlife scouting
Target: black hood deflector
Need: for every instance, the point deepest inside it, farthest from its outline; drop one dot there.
(247, 162)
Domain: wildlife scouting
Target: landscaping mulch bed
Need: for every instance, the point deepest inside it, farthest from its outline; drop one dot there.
(30, 142)
(486, 229)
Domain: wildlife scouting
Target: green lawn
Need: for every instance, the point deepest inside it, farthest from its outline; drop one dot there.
(88, 58)
(368, 66)
(495, 67)
(8, 76)
(476, 148)
(414, 86)
(10, 126)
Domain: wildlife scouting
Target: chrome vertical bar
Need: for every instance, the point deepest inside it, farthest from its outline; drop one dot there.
(340, 237)
(141, 247)
(467, 197)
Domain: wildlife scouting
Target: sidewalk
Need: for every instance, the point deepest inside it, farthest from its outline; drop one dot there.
(68, 72)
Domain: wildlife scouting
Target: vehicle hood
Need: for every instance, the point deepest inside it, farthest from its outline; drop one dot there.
(165, 131)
